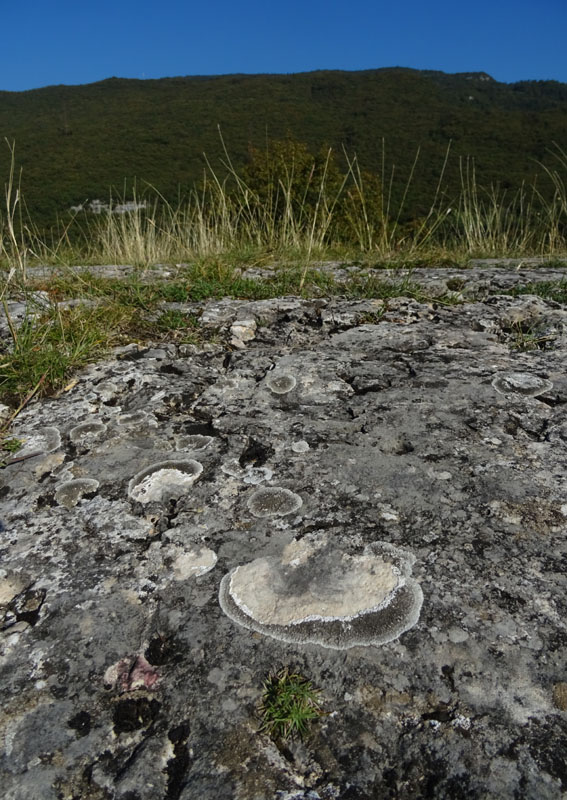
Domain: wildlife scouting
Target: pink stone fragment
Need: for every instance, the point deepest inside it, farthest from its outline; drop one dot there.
(131, 673)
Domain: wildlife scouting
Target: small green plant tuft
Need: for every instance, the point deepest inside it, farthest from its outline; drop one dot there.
(51, 347)
(372, 317)
(11, 445)
(525, 339)
(180, 327)
(289, 703)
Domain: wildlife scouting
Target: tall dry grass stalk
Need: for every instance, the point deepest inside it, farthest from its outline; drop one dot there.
(491, 223)
(13, 246)
(225, 214)
(222, 215)
(20, 241)
(556, 209)
(136, 237)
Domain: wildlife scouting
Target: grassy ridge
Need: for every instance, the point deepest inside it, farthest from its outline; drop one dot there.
(289, 204)
(290, 211)
(56, 340)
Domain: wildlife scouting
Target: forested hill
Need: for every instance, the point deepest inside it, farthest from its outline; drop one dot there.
(75, 142)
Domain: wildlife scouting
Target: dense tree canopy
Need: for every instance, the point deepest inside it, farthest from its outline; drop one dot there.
(79, 142)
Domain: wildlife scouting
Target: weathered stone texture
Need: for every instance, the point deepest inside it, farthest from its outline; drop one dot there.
(121, 676)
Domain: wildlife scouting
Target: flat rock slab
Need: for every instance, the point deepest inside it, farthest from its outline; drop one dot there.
(476, 280)
(160, 271)
(413, 428)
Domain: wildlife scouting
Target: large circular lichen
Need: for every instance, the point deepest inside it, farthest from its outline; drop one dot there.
(274, 502)
(167, 480)
(316, 593)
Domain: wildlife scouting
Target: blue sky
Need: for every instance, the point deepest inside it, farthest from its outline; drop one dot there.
(57, 41)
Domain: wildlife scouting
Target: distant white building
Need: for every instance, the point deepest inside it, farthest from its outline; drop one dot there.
(131, 205)
(98, 207)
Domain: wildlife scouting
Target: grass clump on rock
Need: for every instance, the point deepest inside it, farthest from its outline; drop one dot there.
(289, 704)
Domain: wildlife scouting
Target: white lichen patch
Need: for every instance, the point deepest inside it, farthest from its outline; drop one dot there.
(106, 390)
(194, 563)
(280, 382)
(167, 480)
(248, 474)
(87, 431)
(274, 502)
(316, 593)
(194, 442)
(521, 383)
(44, 440)
(69, 493)
(300, 447)
(251, 590)
(47, 463)
(10, 586)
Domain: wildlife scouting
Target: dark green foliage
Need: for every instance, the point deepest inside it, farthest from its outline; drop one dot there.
(76, 142)
(11, 445)
(287, 178)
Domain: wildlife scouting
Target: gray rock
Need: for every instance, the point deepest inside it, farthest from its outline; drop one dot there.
(122, 676)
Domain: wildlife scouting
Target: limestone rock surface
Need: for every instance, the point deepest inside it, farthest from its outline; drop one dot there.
(121, 676)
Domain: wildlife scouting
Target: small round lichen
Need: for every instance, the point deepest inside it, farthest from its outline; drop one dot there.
(274, 502)
(280, 382)
(167, 480)
(300, 447)
(194, 563)
(138, 417)
(69, 493)
(86, 430)
(193, 442)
